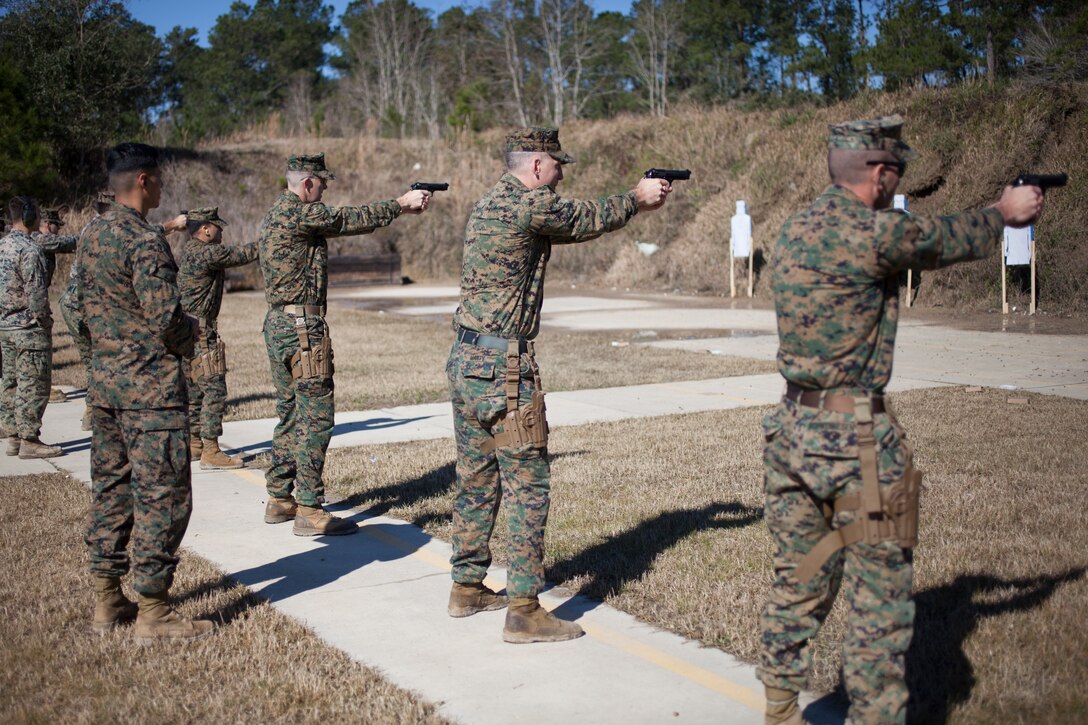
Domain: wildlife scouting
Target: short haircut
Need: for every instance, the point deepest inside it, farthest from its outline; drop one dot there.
(294, 178)
(192, 227)
(852, 166)
(516, 160)
(128, 159)
(21, 205)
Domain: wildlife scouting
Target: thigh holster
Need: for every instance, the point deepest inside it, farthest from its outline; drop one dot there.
(210, 361)
(892, 516)
(521, 425)
(311, 361)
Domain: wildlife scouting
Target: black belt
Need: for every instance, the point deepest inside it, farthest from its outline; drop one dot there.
(471, 337)
(829, 400)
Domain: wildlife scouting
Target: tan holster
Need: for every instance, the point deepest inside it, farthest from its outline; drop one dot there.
(521, 425)
(210, 362)
(311, 362)
(892, 517)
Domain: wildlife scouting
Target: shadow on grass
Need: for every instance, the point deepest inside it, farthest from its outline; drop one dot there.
(939, 673)
(626, 557)
(250, 398)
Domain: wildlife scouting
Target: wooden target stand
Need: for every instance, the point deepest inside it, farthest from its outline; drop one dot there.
(740, 236)
(1004, 272)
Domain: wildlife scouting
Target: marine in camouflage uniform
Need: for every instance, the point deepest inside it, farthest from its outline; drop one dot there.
(202, 273)
(52, 243)
(26, 324)
(508, 242)
(836, 280)
(294, 255)
(140, 478)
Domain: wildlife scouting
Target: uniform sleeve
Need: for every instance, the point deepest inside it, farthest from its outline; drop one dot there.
(340, 221)
(56, 244)
(33, 271)
(568, 221)
(924, 242)
(154, 279)
(222, 256)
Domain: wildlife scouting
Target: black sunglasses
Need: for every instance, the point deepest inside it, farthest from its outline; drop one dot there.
(899, 166)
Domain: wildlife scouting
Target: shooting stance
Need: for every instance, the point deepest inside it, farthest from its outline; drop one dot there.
(498, 402)
(841, 493)
(294, 258)
(201, 275)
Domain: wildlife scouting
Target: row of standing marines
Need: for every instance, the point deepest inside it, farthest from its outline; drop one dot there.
(841, 495)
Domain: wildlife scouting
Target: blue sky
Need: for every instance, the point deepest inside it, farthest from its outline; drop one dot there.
(201, 14)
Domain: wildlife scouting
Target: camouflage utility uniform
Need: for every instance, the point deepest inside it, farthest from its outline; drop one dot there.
(26, 324)
(140, 480)
(200, 278)
(53, 244)
(70, 308)
(508, 241)
(294, 257)
(836, 280)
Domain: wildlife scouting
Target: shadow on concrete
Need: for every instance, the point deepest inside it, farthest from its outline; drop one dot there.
(340, 429)
(315, 568)
(626, 557)
(76, 445)
(939, 674)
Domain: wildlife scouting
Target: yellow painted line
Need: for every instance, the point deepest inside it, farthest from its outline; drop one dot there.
(713, 682)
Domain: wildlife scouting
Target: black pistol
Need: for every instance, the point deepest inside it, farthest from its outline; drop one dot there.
(1043, 181)
(669, 175)
(428, 186)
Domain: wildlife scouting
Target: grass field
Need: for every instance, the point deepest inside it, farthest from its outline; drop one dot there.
(258, 666)
(385, 360)
(662, 518)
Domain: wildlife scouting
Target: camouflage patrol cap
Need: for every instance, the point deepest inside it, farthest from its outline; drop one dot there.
(52, 216)
(207, 215)
(314, 164)
(538, 138)
(104, 200)
(872, 134)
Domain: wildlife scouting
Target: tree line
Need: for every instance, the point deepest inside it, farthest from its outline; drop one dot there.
(76, 75)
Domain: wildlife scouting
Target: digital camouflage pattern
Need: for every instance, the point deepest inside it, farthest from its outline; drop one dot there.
(73, 318)
(538, 139)
(128, 291)
(140, 490)
(507, 245)
(26, 348)
(201, 278)
(836, 272)
(294, 257)
(872, 134)
(140, 479)
(52, 245)
(313, 164)
(836, 283)
(508, 242)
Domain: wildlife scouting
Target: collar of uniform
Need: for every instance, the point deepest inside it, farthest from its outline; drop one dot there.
(291, 196)
(19, 233)
(511, 180)
(123, 209)
(842, 191)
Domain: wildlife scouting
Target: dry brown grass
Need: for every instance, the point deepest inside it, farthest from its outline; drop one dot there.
(259, 666)
(661, 518)
(387, 360)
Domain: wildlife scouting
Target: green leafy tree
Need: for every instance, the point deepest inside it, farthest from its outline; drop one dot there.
(26, 160)
(915, 45)
(715, 61)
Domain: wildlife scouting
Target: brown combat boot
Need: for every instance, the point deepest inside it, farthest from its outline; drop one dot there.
(468, 599)
(56, 395)
(213, 459)
(316, 521)
(111, 607)
(782, 708)
(196, 447)
(14, 444)
(86, 424)
(34, 448)
(280, 510)
(527, 621)
(158, 621)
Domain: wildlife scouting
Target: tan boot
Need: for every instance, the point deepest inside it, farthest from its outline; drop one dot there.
(316, 521)
(34, 448)
(468, 599)
(111, 607)
(14, 444)
(196, 448)
(213, 459)
(158, 621)
(527, 621)
(86, 424)
(782, 708)
(56, 395)
(280, 510)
